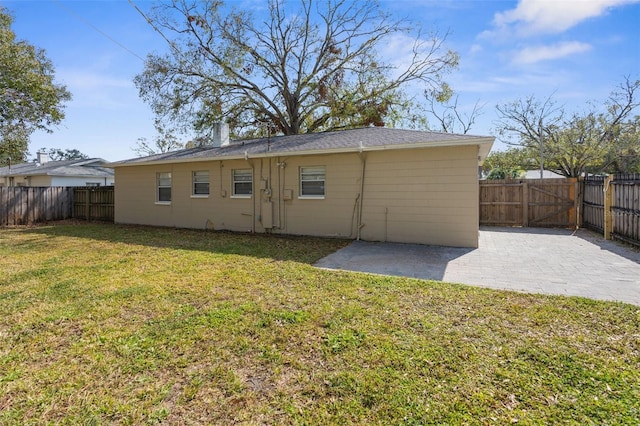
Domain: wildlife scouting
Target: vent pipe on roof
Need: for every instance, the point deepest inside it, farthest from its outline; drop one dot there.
(220, 137)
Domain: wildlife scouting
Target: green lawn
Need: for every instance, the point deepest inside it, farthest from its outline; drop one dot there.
(104, 324)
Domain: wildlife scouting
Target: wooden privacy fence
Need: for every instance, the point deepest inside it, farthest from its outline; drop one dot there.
(93, 203)
(612, 206)
(593, 203)
(529, 202)
(23, 205)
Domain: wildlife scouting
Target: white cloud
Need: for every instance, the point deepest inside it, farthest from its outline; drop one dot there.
(532, 55)
(551, 17)
(475, 48)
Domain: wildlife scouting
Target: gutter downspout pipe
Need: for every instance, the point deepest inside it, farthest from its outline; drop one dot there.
(363, 162)
(253, 195)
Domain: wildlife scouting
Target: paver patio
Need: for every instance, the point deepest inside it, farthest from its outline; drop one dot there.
(534, 260)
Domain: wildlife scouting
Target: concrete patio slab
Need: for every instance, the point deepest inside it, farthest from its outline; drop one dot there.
(532, 260)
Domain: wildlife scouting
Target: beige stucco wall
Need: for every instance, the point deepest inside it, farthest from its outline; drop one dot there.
(37, 180)
(427, 196)
(422, 196)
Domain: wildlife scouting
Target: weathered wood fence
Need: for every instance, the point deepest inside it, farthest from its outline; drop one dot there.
(93, 203)
(22, 205)
(611, 206)
(529, 202)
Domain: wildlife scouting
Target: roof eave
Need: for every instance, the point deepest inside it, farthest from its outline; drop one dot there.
(484, 143)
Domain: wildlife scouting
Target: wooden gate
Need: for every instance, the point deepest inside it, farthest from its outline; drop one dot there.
(529, 202)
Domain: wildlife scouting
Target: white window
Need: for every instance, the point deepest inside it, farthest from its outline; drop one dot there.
(312, 180)
(242, 182)
(200, 184)
(164, 187)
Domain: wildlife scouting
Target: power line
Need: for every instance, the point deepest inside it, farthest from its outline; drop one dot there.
(150, 22)
(90, 25)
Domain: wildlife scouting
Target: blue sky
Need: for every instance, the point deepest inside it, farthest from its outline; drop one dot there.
(577, 50)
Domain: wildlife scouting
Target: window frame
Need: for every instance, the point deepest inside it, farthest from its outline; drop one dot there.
(301, 173)
(235, 181)
(159, 186)
(195, 183)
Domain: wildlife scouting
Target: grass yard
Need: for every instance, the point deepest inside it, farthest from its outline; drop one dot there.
(104, 324)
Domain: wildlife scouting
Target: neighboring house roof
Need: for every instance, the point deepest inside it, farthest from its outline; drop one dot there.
(92, 167)
(546, 174)
(353, 140)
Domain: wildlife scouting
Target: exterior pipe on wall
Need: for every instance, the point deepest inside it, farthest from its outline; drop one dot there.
(260, 214)
(280, 164)
(281, 203)
(363, 161)
(270, 185)
(280, 194)
(354, 214)
(253, 195)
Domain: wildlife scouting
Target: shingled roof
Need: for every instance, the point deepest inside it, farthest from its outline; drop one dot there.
(353, 140)
(92, 167)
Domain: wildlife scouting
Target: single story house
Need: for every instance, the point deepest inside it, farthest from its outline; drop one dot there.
(546, 174)
(44, 172)
(375, 184)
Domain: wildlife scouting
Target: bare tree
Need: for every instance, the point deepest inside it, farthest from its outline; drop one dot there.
(306, 70)
(572, 145)
(443, 107)
(164, 141)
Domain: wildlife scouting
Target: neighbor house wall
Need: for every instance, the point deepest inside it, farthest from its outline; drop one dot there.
(427, 196)
(44, 180)
(36, 180)
(80, 181)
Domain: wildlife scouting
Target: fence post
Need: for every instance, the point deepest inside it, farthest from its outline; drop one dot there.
(579, 191)
(608, 204)
(525, 203)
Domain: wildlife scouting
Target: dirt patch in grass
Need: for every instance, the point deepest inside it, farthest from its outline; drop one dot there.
(136, 325)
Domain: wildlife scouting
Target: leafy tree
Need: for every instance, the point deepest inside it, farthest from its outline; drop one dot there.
(626, 157)
(164, 141)
(57, 154)
(594, 141)
(30, 100)
(505, 173)
(307, 70)
(512, 162)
